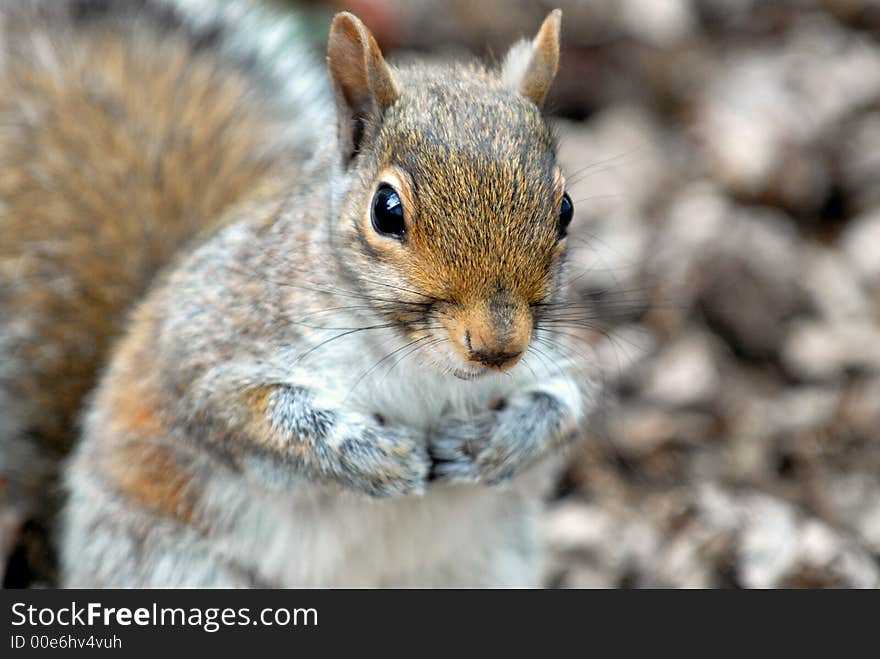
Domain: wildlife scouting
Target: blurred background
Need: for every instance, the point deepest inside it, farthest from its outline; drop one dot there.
(724, 161)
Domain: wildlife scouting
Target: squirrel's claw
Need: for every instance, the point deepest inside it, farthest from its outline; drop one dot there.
(496, 445)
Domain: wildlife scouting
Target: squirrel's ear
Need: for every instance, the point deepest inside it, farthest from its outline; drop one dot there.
(530, 66)
(362, 82)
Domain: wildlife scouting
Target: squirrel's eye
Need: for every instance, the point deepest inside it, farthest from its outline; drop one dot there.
(387, 212)
(566, 211)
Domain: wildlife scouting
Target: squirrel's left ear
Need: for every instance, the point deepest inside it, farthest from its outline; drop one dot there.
(362, 82)
(531, 66)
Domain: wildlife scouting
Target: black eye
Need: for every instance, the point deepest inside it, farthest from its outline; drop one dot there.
(387, 212)
(566, 211)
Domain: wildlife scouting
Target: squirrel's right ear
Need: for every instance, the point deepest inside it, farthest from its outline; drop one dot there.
(362, 82)
(531, 66)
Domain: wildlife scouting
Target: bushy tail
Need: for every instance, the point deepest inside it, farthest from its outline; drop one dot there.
(126, 130)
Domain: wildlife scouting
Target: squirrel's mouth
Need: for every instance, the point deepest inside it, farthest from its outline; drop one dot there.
(469, 374)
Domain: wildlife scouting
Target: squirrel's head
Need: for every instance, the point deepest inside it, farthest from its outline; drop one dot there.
(451, 212)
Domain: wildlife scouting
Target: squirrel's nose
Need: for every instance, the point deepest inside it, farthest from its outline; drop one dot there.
(493, 332)
(488, 353)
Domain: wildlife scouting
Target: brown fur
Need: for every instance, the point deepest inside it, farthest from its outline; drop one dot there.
(122, 139)
(136, 408)
(476, 171)
(149, 476)
(105, 172)
(543, 67)
(370, 80)
(475, 168)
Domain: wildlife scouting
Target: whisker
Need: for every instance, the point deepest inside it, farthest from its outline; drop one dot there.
(416, 349)
(575, 177)
(330, 291)
(381, 361)
(342, 335)
(528, 366)
(545, 358)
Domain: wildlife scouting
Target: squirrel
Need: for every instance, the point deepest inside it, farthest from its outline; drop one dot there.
(311, 299)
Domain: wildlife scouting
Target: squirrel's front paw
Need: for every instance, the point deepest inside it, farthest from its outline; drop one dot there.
(497, 444)
(380, 461)
(353, 450)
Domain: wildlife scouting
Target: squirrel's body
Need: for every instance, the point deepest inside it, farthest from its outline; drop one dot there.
(301, 359)
(220, 518)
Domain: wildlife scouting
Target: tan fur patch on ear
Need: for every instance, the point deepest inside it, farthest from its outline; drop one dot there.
(530, 67)
(345, 59)
(384, 88)
(357, 67)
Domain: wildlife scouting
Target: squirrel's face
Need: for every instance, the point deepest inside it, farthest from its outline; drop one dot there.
(456, 215)
(467, 213)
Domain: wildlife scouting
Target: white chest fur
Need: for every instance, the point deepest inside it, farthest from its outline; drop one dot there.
(452, 535)
(403, 389)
